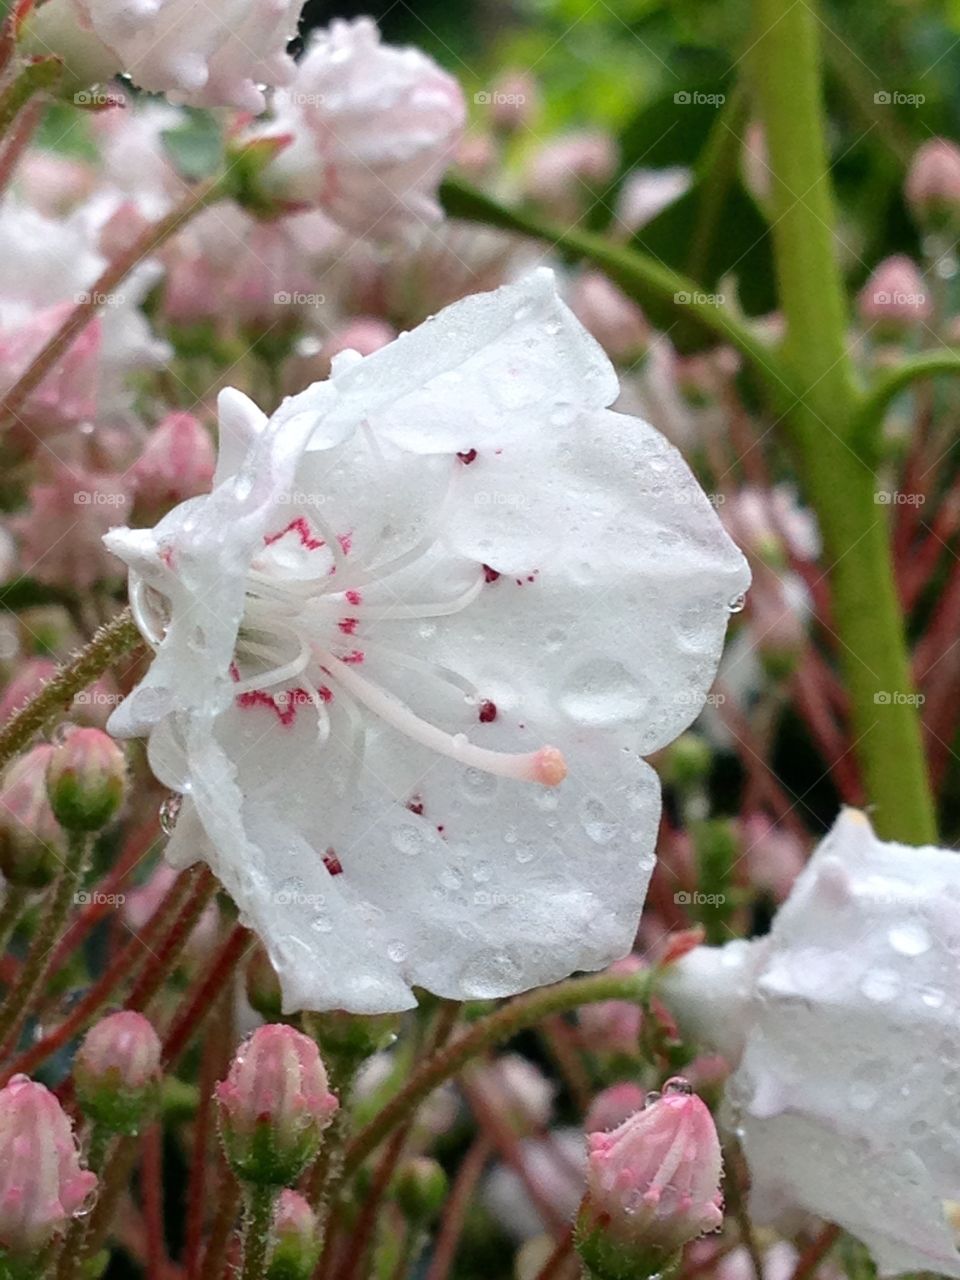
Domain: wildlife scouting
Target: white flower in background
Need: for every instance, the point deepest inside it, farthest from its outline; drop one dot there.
(372, 129)
(409, 651)
(202, 55)
(845, 1023)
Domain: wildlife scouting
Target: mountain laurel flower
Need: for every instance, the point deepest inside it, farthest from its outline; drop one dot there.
(32, 844)
(42, 1184)
(203, 56)
(411, 648)
(117, 1071)
(838, 1112)
(372, 129)
(274, 1106)
(653, 1184)
(86, 780)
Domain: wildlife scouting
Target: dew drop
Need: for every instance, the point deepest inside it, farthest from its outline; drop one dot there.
(737, 604)
(397, 952)
(910, 939)
(321, 924)
(169, 812)
(880, 985)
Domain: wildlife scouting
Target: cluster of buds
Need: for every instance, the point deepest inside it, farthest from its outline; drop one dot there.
(274, 1106)
(653, 1184)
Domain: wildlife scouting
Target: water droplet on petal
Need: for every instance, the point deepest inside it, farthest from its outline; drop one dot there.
(737, 604)
(169, 812)
(910, 939)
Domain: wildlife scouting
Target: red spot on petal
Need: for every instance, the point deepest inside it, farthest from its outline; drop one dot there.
(468, 456)
(353, 597)
(354, 657)
(487, 712)
(415, 804)
(301, 528)
(348, 625)
(333, 863)
(490, 575)
(441, 828)
(284, 706)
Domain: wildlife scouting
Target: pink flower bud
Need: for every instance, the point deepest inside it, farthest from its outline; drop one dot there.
(42, 1185)
(28, 679)
(52, 183)
(117, 1070)
(31, 840)
(612, 1027)
(933, 181)
(773, 856)
(518, 1091)
(420, 1189)
(86, 779)
(652, 1185)
(68, 393)
(566, 169)
(365, 334)
(513, 101)
(615, 321)
(296, 1243)
(62, 533)
(646, 193)
(895, 296)
(274, 1105)
(177, 462)
(612, 1106)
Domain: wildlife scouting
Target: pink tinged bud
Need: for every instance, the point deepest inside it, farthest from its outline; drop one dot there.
(296, 1242)
(177, 462)
(645, 193)
(567, 169)
(32, 843)
(62, 533)
(68, 394)
(26, 681)
(653, 1184)
(274, 1106)
(117, 1071)
(365, 334)
(53, 184)
(933, 181)
(613, 1106)
(615, 321)
(518, 1092)
(86, 780)
(612, 1027)
(42, 1185)
(895, 296)
(513, 102)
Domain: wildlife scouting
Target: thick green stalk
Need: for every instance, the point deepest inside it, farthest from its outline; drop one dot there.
(840, 483)
(256, 1232)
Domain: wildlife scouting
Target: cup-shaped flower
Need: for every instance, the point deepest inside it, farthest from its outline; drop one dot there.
(653, 1184)
(371, 127)
(42, 1184)
(274, 1106)
(203, 55)
(411, 648)
(842, 1025)
(117, 1070)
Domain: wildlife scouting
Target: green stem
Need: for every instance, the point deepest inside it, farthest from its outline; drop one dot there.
(840, 484)
(35, 77)
(119, 637)
(40, 957)
(514, 1016)
(864, 430)
(256, 1232)
(639, 275)
(71, 1250)
(10, 912)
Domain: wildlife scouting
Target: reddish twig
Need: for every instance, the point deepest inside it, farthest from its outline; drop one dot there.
(455, 1213)
(202, 995)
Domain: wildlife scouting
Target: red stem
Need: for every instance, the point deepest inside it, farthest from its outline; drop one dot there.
(164, 961)
(151, 1176)
(554, 1265)
(204, 992)
(458, 1202)
(814, 1254)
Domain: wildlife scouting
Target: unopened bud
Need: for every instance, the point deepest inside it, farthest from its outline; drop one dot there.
(688, 760)
(274, 1106)
(653, 1184)
(348, 1038)
(117, 1071)
(86, 780)
(933, 182)
(32, 842)
(296, 1242)
(42, 1184)
(263, 986)
(895, 297)
(420, 1189)
(177, 463)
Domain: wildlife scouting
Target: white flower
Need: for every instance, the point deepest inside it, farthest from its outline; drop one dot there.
(417, 596)
(844, 1022)
(372, 129)
(215, 54)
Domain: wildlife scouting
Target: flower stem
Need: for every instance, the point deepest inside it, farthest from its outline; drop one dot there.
(101, 292)
(256, 1232)
(13, 905)
(35, 77)
(864, 430)
(118, 637)
(40, 957)
(839, 481)
(512, 1017)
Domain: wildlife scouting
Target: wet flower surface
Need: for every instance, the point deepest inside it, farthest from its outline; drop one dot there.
(410, 651)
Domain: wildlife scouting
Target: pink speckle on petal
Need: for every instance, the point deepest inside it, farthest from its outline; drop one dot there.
(487, 712)
(415, 805)
(354, 657)
(348, 625)
(354, 597)
(333, 863)
(301, 528)
(490, 575)
(284, 707)
(468, 456)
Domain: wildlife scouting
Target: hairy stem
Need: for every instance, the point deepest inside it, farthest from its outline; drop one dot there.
(516, 1015)
(256, 1232)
